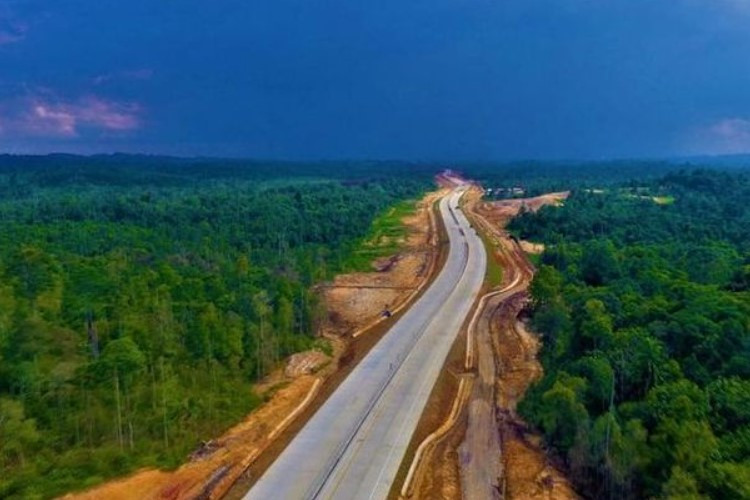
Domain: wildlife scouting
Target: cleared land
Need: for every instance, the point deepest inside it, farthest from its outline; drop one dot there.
(356, 301)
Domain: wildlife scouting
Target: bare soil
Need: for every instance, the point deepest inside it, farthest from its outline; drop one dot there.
(504, 210)
(527, 472)
(357, 300)
(531, 248)
(305, 363)
(222, 460)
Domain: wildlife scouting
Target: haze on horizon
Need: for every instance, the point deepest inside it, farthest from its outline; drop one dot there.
(440, 79)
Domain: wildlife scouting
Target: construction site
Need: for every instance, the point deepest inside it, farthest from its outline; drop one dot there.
(469, 443)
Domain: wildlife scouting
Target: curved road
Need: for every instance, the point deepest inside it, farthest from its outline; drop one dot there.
(353, 446)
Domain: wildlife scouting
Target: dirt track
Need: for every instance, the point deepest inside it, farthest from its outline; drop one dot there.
(489, 452)
(511, 351)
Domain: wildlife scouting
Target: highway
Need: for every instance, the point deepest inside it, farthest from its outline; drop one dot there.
(354, 444)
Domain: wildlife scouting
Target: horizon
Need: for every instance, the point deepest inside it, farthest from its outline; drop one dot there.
(645, 159)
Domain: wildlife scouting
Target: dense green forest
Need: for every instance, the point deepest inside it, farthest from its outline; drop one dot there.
(140, 298)
(643, 301)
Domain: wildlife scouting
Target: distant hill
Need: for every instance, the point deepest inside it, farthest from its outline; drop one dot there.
(130, 169)
(732, 161)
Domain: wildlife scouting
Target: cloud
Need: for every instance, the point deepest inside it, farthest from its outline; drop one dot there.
(128, 74)
(7, 37)
(12, 32)
(43, 116)
(724, 136)
(732, 129)
(741, 5)
(11, 29)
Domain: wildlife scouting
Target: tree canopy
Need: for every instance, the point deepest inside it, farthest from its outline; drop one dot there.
(642, 300)
(141, 298)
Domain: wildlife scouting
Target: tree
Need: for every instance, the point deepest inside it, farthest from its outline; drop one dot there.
(233, 350)
(681, 486)
(730, 480)
(681, 400)
(7, 313)
(562, 413)
(545, 288)
(640, 361)
(198, 336)
(599, 264)
(265, 348)
(596, 325)
(689, 445)
(284, 320)
(122, 359)
(600, 381)
(33, 270)
(18, 434)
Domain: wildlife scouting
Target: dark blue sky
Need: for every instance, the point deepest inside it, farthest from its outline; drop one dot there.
(409, 79)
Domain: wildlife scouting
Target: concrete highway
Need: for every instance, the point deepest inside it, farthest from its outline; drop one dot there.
(354, 444)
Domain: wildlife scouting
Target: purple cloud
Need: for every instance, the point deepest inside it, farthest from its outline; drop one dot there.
(8, 37)
(11, 29)
(725, 136)
(128, 74)
(43, 116)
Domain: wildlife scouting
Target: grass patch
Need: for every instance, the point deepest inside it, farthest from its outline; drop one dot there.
(642, 193)
(384, 238)
(535, 259)
(663, 200)
(494, 274)
(324, 346)
(659, 200)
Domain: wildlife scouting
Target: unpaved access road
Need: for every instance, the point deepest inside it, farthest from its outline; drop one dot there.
(353, 446)
(485, 451)
(498, 456)
(481, 452)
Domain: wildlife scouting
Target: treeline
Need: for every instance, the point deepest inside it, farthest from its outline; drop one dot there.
(643, 301)
(19, 174)
(135, 315)
(538, 177)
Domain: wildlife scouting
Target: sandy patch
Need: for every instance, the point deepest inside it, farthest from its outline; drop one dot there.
(532, 248)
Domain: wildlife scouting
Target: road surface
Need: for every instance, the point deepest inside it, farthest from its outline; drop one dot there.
(353, 446)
